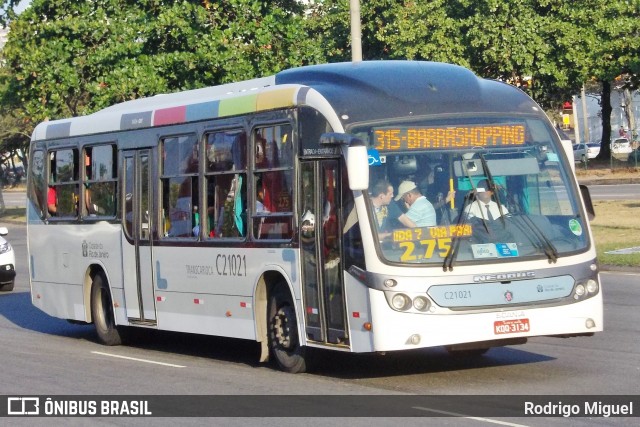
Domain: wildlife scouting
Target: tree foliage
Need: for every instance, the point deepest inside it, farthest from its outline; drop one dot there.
(69, 58)
(66, 58)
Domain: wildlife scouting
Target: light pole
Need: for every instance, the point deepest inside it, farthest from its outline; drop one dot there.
(356, 32)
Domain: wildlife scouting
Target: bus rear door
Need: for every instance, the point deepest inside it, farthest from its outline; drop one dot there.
(137, 248)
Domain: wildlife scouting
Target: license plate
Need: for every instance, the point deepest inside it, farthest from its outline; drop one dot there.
(512, 326)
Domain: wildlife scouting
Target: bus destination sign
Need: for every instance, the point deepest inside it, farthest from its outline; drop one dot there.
(448, 137)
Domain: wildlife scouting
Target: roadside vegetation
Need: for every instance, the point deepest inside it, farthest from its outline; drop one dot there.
(617, 226)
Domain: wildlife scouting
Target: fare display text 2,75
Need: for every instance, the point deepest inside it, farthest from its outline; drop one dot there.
(425, 242)
(450, 137)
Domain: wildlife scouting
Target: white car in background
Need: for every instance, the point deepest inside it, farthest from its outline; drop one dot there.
(593, 149)
(7, 263)
(621, 146)
(580, 153)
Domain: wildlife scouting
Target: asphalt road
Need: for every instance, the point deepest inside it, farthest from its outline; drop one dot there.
(14, 199)
(50, 357)
(615, 192)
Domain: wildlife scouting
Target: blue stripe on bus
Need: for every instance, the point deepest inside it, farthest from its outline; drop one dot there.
(202, 111)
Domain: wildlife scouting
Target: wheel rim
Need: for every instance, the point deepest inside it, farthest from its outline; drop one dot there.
(283, 329)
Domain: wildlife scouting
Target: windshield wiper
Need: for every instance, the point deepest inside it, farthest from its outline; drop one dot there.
(541, 242)
(462, 220)
(545, 244)
(455, 240)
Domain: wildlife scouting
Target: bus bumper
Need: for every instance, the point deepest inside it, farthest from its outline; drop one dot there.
(392, 330)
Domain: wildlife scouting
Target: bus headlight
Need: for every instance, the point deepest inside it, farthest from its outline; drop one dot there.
(421, 303)
(592, 286)
(586, 289)
(400, 302)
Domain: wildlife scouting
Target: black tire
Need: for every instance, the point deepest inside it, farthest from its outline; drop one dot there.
(102, 312)
(7, 287)
(284, 344)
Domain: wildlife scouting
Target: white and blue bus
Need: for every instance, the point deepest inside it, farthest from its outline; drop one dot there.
(250, 210)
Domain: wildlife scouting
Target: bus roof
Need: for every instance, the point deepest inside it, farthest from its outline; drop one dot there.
(360, 91)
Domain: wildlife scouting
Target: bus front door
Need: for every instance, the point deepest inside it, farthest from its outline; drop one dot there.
(137, 247)
(320, 241)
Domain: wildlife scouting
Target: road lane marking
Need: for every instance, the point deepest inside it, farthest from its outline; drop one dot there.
(138, 360)
(481, 419)
(620, 273)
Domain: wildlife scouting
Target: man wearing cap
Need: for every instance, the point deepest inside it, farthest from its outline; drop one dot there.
(421, 212)
(484, 206)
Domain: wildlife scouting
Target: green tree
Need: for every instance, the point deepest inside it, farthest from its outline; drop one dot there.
(616, 30)
(391, 29)
(69, 58)
(524, 42)
(511, 40)
(597, 41)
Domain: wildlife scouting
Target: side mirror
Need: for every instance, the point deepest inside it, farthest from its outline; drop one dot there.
(4, 231)
(358, 166)
(356, 155)
(588, 204)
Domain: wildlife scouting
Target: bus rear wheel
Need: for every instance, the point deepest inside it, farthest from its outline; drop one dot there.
(102, 312)
(283, 333)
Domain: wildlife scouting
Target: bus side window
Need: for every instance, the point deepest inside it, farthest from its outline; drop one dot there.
(100, 181)
(226, 201)
(64, 183)
(179, 186)
(273, 183)
(273, 205)
(36, 190)
(224, 215)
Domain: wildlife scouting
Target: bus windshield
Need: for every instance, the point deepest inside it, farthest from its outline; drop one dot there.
(458, 191)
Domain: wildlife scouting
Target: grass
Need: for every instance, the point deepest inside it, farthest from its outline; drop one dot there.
(616, 226)
(13, 215)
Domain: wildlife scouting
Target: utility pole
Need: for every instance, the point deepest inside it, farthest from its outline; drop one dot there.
(584, 115)
(356, 32)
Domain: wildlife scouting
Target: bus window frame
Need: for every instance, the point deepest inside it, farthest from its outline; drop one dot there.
(51, 169)
(162, 177)
(275, 218)
(213, 176)
(88, 182)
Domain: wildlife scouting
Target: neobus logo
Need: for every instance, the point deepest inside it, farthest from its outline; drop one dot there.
(504, 276)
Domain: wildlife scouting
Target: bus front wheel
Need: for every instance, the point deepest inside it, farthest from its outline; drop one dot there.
(102, 312)
(283, 332)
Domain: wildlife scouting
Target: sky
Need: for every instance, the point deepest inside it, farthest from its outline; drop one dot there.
(23, 5)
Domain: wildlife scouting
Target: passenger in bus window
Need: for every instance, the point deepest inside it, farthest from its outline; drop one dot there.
(386, 210)
(420, 212)
(260, 198)
(52, 201)
(92, 209)
(261, 148)
(484, 206)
